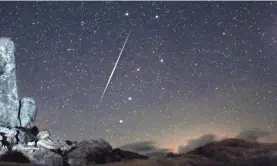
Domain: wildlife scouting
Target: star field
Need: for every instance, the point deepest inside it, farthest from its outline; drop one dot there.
(188, 68)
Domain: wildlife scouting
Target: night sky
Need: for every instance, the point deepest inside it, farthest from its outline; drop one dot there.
(188, 68)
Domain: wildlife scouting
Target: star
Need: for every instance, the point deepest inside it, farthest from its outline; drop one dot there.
(180, 68)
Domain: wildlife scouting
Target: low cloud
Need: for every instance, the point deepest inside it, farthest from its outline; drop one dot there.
(195, 143)
(248, 135)
(252, 134)
(147, 148)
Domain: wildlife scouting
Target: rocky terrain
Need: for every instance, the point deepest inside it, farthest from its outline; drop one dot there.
(228, 152)
(22, 143)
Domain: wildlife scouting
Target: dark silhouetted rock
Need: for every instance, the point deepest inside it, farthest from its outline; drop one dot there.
(98, 152)
(119, 154)
(231, 149)
(88, 152)
(14, 157)
(34, 130)
(24, 135)
(171, 154)
(68, 142)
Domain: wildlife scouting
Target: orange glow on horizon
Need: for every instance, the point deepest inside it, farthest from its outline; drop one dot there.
(176, 141)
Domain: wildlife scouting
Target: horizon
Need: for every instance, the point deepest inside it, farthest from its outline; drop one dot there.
(188, 69)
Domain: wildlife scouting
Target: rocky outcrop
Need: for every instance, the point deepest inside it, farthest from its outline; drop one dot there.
(9, 104)
(13, 113)
(17, 132)
(20, 139)
(39, 155)
(88, 152)
(9, 157)
(45, 140)
(98, 152)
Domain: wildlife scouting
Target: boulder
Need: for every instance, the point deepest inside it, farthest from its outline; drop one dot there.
(45, 140)
(15, 135)
(87, 152)
(44, 134)
(3, 149)
(24, 136)
(27, 112)
(9, 136)
(20, 139)
(39, 155)
(9, 104)
(48, 144)
(14, 157)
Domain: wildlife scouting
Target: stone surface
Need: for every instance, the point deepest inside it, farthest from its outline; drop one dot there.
(15, 135)
(11, 136)
(4, 149)
(63, 145)
(28, 111)
(45, 140)
(14, 157)
(9, 104)
(44, 134)
(48, 144)
(31, 144)
(40, 155)
(87, 151)
(4, 130)
(24, 137)
(98, 152)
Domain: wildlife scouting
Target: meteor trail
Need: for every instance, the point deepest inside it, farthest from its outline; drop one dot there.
(113, 69)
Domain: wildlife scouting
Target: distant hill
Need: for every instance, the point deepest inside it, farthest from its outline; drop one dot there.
(228, 152)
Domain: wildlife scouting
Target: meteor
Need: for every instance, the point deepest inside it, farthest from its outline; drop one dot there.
(111, 75)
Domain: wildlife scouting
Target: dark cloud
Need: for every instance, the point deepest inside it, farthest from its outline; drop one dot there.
(252, 134)
(147, 148)
(195, 143)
